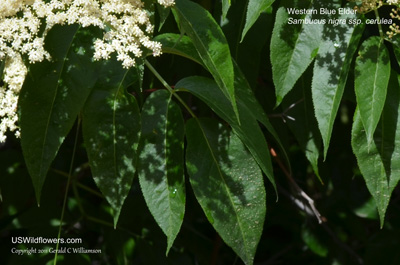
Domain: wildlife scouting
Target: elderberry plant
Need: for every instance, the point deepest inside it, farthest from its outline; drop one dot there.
(202, 139)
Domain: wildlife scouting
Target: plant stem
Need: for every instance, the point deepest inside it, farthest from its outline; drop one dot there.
(168, 87)
(299, 190)
(66, 189)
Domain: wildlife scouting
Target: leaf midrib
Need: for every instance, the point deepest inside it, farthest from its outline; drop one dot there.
(170, 221)
(39, 180)
(383, 171)
(114, 132)
(375, 84)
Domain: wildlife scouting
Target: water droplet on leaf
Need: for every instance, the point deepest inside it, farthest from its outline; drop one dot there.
(173, 193)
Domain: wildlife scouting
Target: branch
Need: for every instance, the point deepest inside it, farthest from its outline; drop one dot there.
(299, 190)
(310, 209)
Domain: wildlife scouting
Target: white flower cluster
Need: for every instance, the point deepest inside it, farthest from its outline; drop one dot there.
(392, 2)
(126, 24)
(166, 3)
(14, 76)
(126, 37)
(20, 34)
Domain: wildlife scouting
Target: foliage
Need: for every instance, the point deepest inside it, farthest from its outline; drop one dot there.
(238, 144)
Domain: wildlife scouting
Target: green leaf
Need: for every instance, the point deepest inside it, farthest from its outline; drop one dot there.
(111, 127)
(314, 242)
(228, 185)
(248, 130)
(226, 4)
(372, 73)
(254, 9)
(367, 209)
(396, 51)
(253, 108)
(163, 13)
(339, 43)
(247, 53)
(379, 162)
(210, 43)
(298, 105)
(180, 45)
(51, 98)
(160, 163)
(293, 48)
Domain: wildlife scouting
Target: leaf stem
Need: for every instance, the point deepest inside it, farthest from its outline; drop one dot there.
(78, 198)
(66, 189)
(99, 221)
(80, 185)
(105, 223)
(168, 87)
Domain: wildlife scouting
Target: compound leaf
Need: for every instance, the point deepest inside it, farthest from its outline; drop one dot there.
(247, 103)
